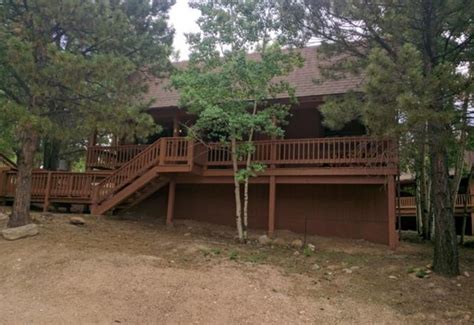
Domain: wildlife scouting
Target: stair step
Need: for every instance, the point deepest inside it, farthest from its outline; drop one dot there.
(138, 184)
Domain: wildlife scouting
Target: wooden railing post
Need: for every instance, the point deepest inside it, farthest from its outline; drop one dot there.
(162, 151)
(271, 205)
(48, 193)
(190, 152)
(3, 186)
(273, 154)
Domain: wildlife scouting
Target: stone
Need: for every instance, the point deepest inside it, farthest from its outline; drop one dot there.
(279, 242)
(348, 271)
(20, 232)
(440, 291)
(78, 221)
(466, 274)
(297, 243)
(316, 267)
(264, 240)
(3, 220)
(311, 247)
(187, 234)
(355, 267)
(393, 277)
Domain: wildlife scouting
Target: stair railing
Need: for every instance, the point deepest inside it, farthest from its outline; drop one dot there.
(174, 151)
(132, 169)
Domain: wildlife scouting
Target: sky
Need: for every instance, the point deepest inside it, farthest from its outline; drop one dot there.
(183, 19)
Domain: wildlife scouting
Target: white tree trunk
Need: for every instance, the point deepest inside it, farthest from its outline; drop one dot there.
(238, 204)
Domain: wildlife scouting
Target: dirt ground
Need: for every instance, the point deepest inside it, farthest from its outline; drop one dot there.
(112, 271)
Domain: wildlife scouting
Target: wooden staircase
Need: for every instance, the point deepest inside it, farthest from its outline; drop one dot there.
(142, 176)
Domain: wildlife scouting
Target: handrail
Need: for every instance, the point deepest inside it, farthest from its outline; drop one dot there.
(6, 161)
(318, 151)
(111, 156)
(56, 184)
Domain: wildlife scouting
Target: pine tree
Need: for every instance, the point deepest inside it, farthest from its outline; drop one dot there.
(83, 61)
(416, 60)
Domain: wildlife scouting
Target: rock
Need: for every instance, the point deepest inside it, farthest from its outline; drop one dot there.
(431, 285)
(187, 234)
(348, 271)
(279, 242)
(467, 317)
(311, 247)
(332, 267)
(78, 221)
(316, 267)
(297, 243)
(3, 220)
(393, 277)
(20, 232)
(439, 291)
(296, 253)
(466, 274)
(355, 267)
(264, 240)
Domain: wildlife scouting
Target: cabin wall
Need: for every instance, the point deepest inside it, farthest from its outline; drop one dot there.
(348, 211)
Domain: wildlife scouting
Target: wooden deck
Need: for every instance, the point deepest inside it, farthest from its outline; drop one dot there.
(130, 173)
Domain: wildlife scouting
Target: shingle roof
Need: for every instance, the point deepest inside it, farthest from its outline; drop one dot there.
(303, 79)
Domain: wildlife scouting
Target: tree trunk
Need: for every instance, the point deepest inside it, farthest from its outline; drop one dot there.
(425, 216)
(238, 203)
(21, 207)
(246, 183)
(446, 257)
(51, 151)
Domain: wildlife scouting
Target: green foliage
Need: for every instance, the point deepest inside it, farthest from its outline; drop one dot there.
(229, 90)
(233, 255)
(68, 67)
(307, 251)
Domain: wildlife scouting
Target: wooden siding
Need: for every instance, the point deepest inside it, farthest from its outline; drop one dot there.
(339, 210)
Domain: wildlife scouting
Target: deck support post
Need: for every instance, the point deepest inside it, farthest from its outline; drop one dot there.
(472, 223)
(47, 193)
(391, 198)
(171, 197)
(3, 187)
(175, 125)
(271, 206)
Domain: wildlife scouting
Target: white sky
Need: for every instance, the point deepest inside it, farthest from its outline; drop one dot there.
(183, 19)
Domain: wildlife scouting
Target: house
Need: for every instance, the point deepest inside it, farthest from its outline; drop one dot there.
(317, 181)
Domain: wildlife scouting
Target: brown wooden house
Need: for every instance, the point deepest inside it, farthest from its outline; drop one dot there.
(323, 182)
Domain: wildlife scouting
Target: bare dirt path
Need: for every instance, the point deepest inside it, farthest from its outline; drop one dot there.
(130, 272)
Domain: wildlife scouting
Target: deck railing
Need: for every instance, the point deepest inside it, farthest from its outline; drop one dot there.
(111, 157)
(409, 202)
(342, 151)
(52, 185)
